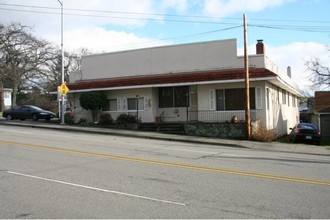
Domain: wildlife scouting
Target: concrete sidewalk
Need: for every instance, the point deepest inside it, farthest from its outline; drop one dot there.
(272, 146)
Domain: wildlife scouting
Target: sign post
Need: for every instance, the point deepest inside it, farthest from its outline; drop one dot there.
(63, 90)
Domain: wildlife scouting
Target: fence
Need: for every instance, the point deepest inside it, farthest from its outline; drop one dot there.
(217, 116)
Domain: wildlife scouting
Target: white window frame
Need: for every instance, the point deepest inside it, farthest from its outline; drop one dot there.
(258, 98)
(122, 105)
(212, 97)
(146, 103)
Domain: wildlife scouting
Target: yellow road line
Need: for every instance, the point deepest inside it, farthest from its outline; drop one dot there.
(172, 164)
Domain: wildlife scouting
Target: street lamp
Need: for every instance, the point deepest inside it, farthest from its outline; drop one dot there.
(62, 62)
(137, 108)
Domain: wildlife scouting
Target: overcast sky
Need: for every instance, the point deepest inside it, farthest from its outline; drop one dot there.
(293, 30)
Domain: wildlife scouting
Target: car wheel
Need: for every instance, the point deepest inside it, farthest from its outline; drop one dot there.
(22, 119)
(48, 119)
(34, 117)
(9, 117)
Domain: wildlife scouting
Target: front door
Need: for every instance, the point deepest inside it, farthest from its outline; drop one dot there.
(193, 112)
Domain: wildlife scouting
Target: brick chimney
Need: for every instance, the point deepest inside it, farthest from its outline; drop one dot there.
(260, 47)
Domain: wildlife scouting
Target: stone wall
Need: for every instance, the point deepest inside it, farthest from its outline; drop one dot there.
(220, 130)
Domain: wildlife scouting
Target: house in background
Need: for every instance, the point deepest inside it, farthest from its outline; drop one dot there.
(322, 110)
(7, 96)
(202, 82)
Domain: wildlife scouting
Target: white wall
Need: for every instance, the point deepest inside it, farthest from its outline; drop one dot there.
(160, 60)
(7, 94)
(202, 56)
(147, 113)
(203, 99)
(282, 114)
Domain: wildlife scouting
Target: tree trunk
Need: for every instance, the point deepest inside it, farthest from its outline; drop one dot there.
(95, 113)
(15, 91)
(2, 100)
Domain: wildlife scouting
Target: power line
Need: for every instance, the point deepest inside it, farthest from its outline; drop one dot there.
(205, 19)
(137, 14)
(177, 38)
(181, 18)
(319, 29)
(121, 17)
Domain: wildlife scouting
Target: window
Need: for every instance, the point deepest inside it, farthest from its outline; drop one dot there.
(173, 97)
(127, 104)
(181, 96)
(132, 102)
(258, 98)
(113, 105)
(107, 106)
(294, 103)
(233, 99)
(283, 97)
(212, 99)
(165, 97)
(6, 95)
(268, 98)
(220, 100)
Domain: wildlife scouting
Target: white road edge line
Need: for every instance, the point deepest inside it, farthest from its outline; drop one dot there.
(97, 189)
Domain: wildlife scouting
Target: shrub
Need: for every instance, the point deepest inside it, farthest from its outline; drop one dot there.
(93, 101)
(68, 119)
(126, 118)
(83, 122)
(105, 119)
(262, 134)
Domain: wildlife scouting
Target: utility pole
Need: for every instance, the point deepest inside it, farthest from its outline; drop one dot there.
(247, 83)
(62, 64)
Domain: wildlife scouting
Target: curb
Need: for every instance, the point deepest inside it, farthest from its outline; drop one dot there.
(292, 148)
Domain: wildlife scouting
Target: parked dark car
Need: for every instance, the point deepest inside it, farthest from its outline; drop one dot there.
(27, 112)
(305, 132)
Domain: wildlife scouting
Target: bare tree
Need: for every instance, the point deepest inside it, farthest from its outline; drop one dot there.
(320, 74)
(2, 103)
(2, 100)
(72, 63)
(22, 56)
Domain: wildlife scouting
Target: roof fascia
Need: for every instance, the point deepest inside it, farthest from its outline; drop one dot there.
(171, 84)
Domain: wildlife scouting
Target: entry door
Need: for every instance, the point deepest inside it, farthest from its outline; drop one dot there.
(325, 127)
(193, 113)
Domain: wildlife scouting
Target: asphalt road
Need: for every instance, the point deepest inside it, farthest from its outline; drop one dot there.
(56, 174)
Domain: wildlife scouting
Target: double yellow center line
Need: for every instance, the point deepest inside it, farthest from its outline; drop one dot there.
(172, 164)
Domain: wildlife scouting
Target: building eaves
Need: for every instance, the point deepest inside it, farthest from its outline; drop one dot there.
(171, 78)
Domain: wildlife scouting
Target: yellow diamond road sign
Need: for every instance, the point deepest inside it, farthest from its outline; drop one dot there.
(64, 89)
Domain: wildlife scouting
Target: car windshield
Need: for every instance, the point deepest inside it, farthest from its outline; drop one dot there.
(36, 108)
(307, 126)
